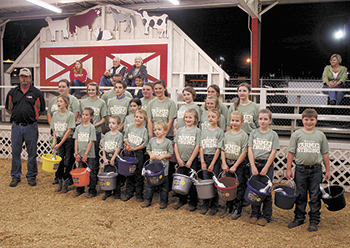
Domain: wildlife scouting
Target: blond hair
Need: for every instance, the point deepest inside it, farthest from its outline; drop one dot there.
(163, 124)
(193, 112)
(217, 103)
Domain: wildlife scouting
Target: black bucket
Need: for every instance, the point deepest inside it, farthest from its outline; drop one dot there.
(337, 200)
(285, 201)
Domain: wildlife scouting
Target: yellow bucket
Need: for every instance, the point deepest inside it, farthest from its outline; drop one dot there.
(50, 165)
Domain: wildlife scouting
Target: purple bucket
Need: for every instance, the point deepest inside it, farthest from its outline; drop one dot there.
(157, 177)
(252, 194)
(128, 167)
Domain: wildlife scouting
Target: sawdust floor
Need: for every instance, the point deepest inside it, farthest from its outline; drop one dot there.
(39, 217)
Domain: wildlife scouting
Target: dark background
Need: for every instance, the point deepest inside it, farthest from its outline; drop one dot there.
(296, 40)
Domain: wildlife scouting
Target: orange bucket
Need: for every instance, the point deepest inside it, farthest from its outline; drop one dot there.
(81, 176)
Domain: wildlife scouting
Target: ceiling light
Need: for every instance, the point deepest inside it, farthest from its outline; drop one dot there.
(46, 5)
(175, 2)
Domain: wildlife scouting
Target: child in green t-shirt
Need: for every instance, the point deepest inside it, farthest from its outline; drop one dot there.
(212, 102)
(85, 136)
(159, 149)
(62, 124)
(111, 145)
(120, 105)
(135, 104)
(210, 149)
(135, 142)
(263, 144)
(249, 109)
(308, 147)
(233, 157)
(186, 149)
(189, 95)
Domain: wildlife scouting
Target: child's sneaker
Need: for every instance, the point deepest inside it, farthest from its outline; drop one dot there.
(145, 204)
(253, 220)
(162, 205)
(295, 223)
(204, 210)
(262, 222)
(178, 205)
(191, 208)
(313, 227)
(106, 196)
(236, 214)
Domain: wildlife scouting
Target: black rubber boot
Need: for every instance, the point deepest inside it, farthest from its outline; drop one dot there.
(60, 183)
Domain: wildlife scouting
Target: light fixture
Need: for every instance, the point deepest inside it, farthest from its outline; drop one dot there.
(175, 2)
(339, 34)
(46, 5)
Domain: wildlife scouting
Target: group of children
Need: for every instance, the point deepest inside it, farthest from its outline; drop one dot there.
(211, 140)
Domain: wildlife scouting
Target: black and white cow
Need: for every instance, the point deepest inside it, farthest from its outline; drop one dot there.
(155, 22)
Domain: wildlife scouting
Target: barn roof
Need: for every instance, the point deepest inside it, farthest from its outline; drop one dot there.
(13, 10)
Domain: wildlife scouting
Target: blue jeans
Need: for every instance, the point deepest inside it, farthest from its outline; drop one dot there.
(212, 203)
(334, 95)
(76, 82)
(28, 134)
(192, 194)
(267, 203)
(163, 191)
(104, 81)
(307, 180)
(93, 175)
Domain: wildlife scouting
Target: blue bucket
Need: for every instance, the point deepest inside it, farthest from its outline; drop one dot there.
(252, 194)
(287, 199)
(157, 177)
(128, 167)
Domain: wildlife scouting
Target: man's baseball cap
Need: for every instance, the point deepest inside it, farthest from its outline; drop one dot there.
(25, 72)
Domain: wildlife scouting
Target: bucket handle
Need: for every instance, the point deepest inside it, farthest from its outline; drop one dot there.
(294, 185)
(122, 152)
(143, 167)
(329, 187)
(260, 175)
(87, 166)
(222, 172)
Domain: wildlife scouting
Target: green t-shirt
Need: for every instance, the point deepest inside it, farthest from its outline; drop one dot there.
(250, 113)
(60, 123)
(186, 140)
(211, 140)
(308, 147)
(111, 95)
(100, 110)
(162, 111)
(263, 143)
(181, 113)
(136, 136)
(111, 142)
(84, 136)
(223, 110)
(164, 148)
(235, 144)
(74, 105)
(145, 103)
(204, 124)
(130, 120)
(119, 107)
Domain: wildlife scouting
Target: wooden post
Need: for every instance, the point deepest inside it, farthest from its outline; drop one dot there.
(255, 51)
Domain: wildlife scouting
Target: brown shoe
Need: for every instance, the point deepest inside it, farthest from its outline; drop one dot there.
(204, 211)
(253, 220)
(191, 208)
(262, 222)
(145, 204)
(295, 223)
(126, 198)
(178, 205)
(162, 205)
(313, 227)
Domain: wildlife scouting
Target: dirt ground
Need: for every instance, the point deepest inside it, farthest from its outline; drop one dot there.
(39, 217)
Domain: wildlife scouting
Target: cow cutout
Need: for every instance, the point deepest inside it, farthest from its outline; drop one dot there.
(156, 22)
(59, 25)
(86, 19)
(121, 17)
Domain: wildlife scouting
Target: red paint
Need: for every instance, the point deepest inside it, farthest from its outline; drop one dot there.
(255, 48)
(98, 55)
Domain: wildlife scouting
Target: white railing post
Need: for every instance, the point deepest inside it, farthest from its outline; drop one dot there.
(263, 98)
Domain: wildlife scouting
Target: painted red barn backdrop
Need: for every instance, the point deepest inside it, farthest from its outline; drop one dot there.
(98, 34)
(100, 56)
